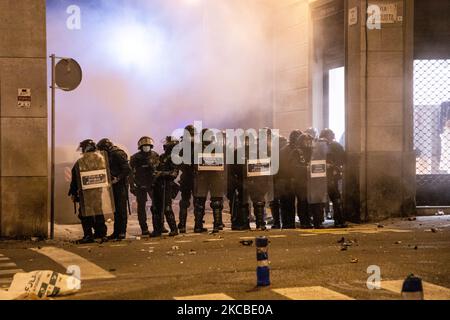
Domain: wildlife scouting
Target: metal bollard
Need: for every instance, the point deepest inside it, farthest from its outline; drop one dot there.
(262, 257)
(412, 288)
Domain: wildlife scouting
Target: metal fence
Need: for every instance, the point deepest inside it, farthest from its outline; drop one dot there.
(432, 131)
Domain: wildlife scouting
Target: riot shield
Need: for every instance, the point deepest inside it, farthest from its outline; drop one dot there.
(317, 174)
(94, 183)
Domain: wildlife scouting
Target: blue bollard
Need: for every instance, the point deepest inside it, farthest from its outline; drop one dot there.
(412, 288)
(262, 257)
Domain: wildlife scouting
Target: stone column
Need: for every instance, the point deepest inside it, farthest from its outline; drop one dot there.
(380, 176)
(23, 129)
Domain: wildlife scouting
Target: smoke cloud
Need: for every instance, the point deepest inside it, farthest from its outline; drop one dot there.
(153, 66)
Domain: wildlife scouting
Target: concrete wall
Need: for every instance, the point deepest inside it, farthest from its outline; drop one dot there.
(292, 89)
(23, 131)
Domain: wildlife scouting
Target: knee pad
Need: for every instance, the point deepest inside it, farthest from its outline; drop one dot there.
(200, 203)
(216, 204)
(259, 204)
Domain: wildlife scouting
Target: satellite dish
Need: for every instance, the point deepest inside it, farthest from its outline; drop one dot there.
(68, 74)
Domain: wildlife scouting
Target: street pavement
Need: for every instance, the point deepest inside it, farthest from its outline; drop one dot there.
(305, 264)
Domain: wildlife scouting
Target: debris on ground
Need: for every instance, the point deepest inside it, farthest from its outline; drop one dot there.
(354, 260)
(416, 248)
(398, 242)
(380, 226)
(342, 240)
(434, 230)
(440, 213)
(246, 243)
(112, 270)
(344, 248)
(39, 285)
(412, 219)
(175, 248)
(192, 252)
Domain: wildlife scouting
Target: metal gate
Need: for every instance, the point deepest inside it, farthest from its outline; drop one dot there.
(432, 131)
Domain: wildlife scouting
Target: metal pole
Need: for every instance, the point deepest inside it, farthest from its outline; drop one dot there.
(52, 187)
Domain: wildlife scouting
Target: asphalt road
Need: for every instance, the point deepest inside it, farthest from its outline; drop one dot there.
(192, 265)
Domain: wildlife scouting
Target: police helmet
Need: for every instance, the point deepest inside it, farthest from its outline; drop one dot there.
(145, 141)
(105, 145)
(87, 146)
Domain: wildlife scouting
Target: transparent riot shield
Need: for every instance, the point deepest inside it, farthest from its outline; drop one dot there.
(317, 174)
(94, 183)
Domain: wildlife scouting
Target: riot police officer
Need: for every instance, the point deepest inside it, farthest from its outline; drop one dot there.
(165, 191)
(210, 178)
(143, 165)
(335, 166)
(257, 181)
(301, 161)
(120, 171)
(317, 180)
(277, 191)
(287, 198)
(236, 193)
(88, 223)
(186, 179)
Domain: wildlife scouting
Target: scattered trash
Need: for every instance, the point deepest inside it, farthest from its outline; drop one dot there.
(39, 285)
(344, 248)
(412, 219)
(246, 243)
(398, 242)
(434, 230)
(440, 213)
(181, 262)
(112, 270)
(354, 260)
(35, 239)
(175, 248)
(342, 240)
(192, 252)
(138, 238)
(380, 226)
(416, 248)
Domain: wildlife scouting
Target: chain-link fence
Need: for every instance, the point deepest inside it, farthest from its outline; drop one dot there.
(432, 131)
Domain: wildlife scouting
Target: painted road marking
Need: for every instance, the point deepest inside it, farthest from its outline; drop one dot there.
(311, 293)
(65, 258)
(431, 291)
(4, 259)
(246, 238)
(209, 297)
(8, 265)
(278, 236)
(184, 241)
(6, 281)
(9, 272)
(308, 235)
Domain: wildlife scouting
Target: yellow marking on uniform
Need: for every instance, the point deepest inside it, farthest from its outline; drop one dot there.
(311, 293)
(431, 291)
(65, 258)
(208, 297)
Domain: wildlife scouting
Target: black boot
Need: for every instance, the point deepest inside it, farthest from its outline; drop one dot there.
(217, 207)
(170, 217)
(183, 219)
(275, 208)
(199, 211)
(259, 214)
(339, 221)
(317, 213)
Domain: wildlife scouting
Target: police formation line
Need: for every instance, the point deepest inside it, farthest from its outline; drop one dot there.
(310, 171)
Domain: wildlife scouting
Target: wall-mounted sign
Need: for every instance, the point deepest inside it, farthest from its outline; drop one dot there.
(353, 16)
(24, 98)
(388, 13)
